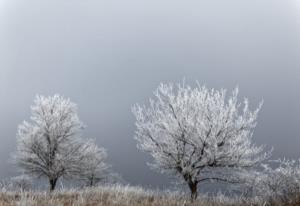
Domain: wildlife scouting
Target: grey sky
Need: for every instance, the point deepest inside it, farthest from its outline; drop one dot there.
(108, 55)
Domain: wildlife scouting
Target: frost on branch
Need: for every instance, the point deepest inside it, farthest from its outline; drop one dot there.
(50, 145)
(21, 183)
(198, 134)
(277, 183)
(94, 168)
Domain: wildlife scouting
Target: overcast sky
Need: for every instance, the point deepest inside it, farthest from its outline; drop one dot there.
(108, 55)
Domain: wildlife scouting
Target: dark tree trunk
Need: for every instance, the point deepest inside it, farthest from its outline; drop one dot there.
(91, 181)
(52, 184)
(193, 189)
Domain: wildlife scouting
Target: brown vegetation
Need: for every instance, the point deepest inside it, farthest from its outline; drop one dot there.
(106, 196)
(123, 196)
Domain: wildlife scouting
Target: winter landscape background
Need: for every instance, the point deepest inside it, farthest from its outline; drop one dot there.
(106, 56)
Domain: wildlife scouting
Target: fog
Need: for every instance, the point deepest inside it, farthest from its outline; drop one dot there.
(108, 55)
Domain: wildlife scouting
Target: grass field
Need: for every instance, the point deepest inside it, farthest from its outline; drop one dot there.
(121, 196)
(112, 195)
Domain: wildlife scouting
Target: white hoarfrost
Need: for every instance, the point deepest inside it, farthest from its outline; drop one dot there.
(20, 183)
(50, 144)
(278, 184)
(198, 134)
(95, 169)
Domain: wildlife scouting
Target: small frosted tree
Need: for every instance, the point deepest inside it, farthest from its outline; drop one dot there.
(50, 145)
(94, 167)
(197, 134)
(21, 183)
(278, 184)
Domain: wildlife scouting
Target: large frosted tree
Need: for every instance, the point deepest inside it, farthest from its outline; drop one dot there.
(50, 144)
(198, 134)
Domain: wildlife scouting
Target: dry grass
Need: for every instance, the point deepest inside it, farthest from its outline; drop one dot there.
(116, 196)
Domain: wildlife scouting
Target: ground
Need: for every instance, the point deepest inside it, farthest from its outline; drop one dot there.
(117, 196)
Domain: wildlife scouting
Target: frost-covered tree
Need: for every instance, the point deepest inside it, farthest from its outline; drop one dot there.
(50, 144)
(94, 167)
(197, 134)
(279, 183)
(21, 182)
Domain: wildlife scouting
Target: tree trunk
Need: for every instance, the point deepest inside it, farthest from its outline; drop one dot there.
(194, 191)
(91, 181)
(52, 184)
